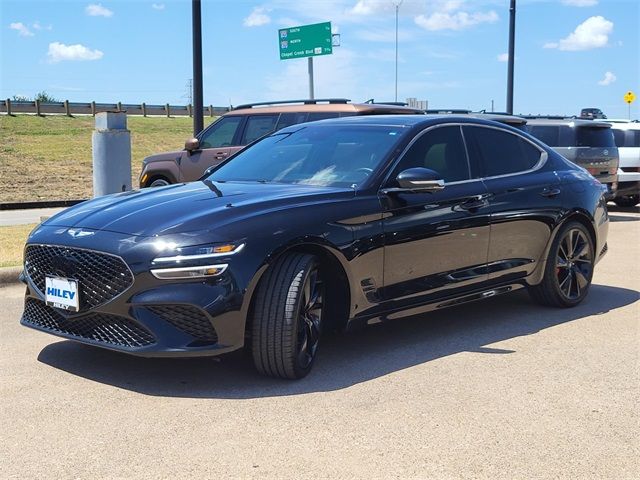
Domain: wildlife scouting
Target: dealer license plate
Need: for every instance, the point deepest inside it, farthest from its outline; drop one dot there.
(62, 293)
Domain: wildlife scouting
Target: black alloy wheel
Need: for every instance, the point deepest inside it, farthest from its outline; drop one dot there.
(628, 201)
(287, 317)
(574, 263)
(569, 268)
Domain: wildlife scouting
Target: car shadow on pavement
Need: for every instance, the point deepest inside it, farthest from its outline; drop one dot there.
(344, 359)
(613, 209)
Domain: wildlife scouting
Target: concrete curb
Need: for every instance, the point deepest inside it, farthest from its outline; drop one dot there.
(9, 275)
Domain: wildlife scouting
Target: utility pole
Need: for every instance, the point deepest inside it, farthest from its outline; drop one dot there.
(310, 68)
(397, 4)
(512, 55)
(196, 20)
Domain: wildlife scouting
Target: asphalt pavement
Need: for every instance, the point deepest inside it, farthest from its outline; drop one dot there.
(23, 217)
(502, 388)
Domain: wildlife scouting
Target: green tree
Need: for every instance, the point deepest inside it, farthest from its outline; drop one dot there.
(44, 97)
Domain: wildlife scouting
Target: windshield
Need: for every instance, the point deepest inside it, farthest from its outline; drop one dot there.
(595, 137)
(322, 155)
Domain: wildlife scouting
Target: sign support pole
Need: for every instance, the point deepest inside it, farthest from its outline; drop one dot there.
(310, 60)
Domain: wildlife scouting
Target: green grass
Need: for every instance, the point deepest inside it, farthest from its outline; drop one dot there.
(49, 158)
(12, 241)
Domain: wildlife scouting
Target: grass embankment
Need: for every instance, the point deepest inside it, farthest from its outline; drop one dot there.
(12, 241)
(49, 158)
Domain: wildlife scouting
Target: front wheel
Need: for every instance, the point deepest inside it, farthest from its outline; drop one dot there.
(287, 317)
(568, 270)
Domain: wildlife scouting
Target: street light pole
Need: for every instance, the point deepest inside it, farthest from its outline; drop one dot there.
(511, 59)
(196, 25)
(397, 4)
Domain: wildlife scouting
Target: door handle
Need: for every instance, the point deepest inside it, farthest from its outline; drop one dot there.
(550, 192)
(476, 202)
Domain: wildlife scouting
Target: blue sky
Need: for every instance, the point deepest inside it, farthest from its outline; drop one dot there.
(569, 53)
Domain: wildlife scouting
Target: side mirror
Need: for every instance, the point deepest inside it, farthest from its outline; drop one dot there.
(420, 179)
(192, 144)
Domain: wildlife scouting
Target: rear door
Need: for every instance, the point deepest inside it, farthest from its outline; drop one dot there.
(525, 199)
(217, 142)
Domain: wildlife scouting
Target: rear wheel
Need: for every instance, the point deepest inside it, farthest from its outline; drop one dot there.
(569, 268)
(287, 317)
(629, 201)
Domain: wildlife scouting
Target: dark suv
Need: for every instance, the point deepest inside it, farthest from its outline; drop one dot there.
(588, 143)
(243, 125)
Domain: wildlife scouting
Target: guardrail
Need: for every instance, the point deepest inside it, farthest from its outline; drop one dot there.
(10, 107)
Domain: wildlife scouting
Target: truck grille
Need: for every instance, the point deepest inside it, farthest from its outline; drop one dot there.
(101, 276)
(188, 319)
(99, 327)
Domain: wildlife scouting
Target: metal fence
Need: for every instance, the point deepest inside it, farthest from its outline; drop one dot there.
(70, 108)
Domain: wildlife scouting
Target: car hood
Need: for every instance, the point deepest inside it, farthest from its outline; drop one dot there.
(163, 156)
(189, 207)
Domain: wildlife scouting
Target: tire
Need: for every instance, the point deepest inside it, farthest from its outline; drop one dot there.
(287, 317)
(159, 182)
(569, 268)
(629, 201)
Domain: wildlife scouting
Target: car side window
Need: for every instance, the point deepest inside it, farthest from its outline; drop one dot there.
(257, 126)
(501, 153)
(292, 118)
(313, 116)
(440, 149)
(221, 133)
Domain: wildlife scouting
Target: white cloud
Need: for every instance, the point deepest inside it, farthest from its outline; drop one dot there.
(503, 57)
(38, 26)
(59, 52)
(369, 7)
(97, 10)
(257, 17)
(21, 28)
(445, 20)
(157, 6)
(592, 33)
(608, 79)
(580, 3)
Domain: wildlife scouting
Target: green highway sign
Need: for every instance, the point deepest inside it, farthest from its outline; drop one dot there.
(305, 41)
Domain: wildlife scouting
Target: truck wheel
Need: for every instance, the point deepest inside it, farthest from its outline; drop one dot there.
(287, 317)
(629, 201)
(159, 182)
(568, 270)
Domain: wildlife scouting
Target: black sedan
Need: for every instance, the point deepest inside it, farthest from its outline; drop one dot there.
(326, 225)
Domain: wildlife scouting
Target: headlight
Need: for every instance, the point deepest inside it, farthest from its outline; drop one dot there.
(189, 272)
(195, 254)
(191, 262)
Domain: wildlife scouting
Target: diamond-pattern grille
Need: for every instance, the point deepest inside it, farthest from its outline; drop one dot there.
(188, 319)
(101, 276)
(100, 327)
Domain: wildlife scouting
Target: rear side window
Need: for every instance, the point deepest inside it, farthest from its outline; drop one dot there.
(501, 153)
(221, 133)
(595, 137)
(257, 126)
(618, 137)
(554, 135)
(287, 119)
(441, 149)
(322, 116)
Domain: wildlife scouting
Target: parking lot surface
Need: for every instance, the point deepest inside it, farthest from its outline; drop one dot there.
(497, 389)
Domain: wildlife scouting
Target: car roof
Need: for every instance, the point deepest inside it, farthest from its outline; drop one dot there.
(626, 125)
(322, 105)
(402, 120)
(501, 117)
(569, 122)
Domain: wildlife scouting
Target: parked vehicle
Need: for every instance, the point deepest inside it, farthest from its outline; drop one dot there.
(587, 143)
(241, 126)
(627, 138)
(592, 113)
(325, 225)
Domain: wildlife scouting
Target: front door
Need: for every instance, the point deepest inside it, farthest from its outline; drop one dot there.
(217, 142)
(435, 243)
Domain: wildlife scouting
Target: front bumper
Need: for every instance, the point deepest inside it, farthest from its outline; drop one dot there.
(150, 317)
